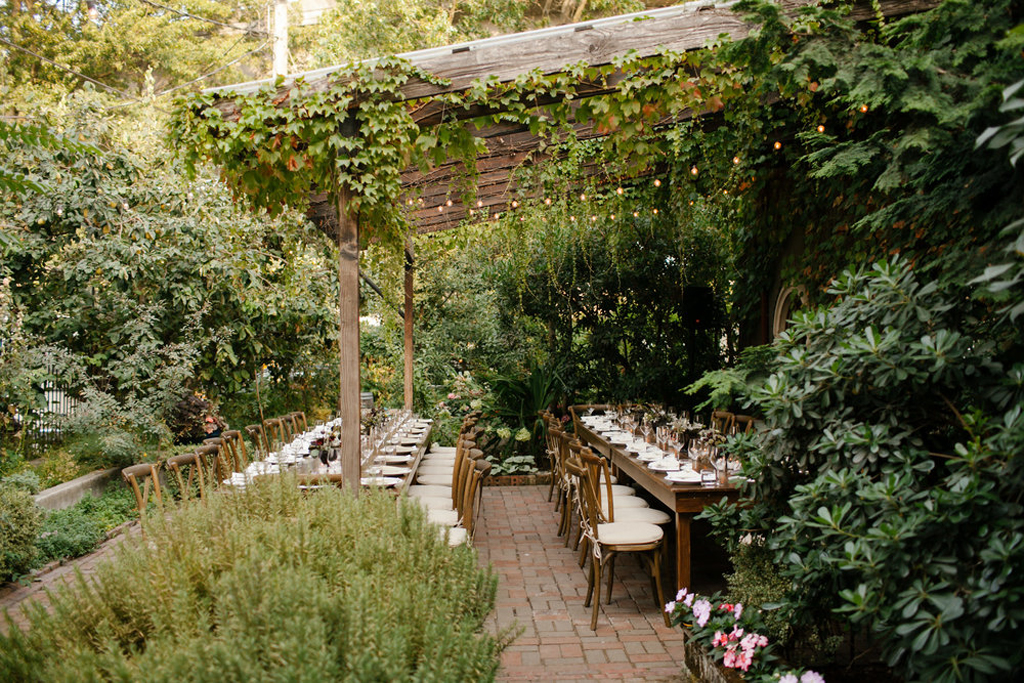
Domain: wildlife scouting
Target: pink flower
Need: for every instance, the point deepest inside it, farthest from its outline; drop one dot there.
(702, 612)
(719, 639)
(738, 610)
(788, 678)
(729, 660)
(670, 607)
(689, 599)
(812, 677)
(725, 607)
(452, 396)
(681, 594)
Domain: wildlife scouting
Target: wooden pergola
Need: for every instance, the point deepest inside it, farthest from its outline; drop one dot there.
(691, 26)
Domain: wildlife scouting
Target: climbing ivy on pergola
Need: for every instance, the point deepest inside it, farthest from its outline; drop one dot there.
(376, 150)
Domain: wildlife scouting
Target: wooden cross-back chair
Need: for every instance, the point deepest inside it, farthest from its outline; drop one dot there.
(605, 540)
(743, 423)
(258, 437)
(192, 464)
(299, 421)
(234, 446)
(275, 433)
(468, 514)
(210, 460)
(582, 408)
(149, 474)
(721, 421)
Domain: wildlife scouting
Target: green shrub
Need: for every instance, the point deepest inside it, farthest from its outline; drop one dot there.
(27, 480)
(19, 522)
(270, 585)
(58, 466)
(68, 533)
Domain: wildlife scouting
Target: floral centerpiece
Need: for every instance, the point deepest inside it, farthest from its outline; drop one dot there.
(734, 637)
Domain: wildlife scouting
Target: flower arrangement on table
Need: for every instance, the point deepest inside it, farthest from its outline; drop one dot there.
(733, 636)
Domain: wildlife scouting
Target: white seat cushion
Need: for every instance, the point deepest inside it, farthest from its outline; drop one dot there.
(620, 490)
(434, 479)
(443, 517)
(435, 469)
(648, 515)
(629, 533)
(442, 449)
(456, 536)
(628, 502)
(435, 502)
(418, 491)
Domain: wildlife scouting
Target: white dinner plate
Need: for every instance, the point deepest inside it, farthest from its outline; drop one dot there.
(392, 470)
(649, 456)
(665, 465)
(393, 457)
(380, 481)
(405, 449)
(683, 477)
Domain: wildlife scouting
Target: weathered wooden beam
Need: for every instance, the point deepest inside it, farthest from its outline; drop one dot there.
(348, 339)
(409, 312)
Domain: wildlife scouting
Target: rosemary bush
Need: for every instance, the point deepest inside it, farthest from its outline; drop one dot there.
(270, 585)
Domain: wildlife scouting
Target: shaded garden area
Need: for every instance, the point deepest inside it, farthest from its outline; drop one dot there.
(864, 156)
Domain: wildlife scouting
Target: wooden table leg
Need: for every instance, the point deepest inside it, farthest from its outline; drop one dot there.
(683, 550)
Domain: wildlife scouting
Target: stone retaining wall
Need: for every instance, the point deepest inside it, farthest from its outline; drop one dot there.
(70, 492)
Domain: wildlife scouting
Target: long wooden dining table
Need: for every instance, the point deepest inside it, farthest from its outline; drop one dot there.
(685, 500)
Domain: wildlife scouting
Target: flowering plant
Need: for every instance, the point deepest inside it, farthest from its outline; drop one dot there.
(734, 636)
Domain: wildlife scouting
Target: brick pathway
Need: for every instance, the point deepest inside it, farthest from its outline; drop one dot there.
(13, 596)
(542, 588)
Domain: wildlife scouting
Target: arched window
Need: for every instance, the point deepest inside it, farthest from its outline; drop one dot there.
(790, 299)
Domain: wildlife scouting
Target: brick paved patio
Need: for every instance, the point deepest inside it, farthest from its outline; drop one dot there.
(542, 590)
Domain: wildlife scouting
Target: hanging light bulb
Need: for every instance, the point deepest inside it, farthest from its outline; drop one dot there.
(735, 160)
(448, 203)
(479, 203)
(821, 129)
(440, 209)
(863, 109)
(547, 201)
(693, 171)
(655, 212)
(583, 197)
(657, 182)
(619, 191)
(593, 219)
(777, 145)
(636, 214)
(515, 204)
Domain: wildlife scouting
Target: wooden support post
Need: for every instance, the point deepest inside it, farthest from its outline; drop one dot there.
(409, 267)
(348, 339)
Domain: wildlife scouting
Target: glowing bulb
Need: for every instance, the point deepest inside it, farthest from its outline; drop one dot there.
(547, 200)
(440, 209)
(448, 203)
(497, 216)
(593, 219)
(863, 109)
(821, 129)
(735, 160)
(657, 182)
(619, 191)
(655, 212)
(521, 219)
(479, 203)
(572, 218)
(693, 171)
(613, 216)
(583, 197)
(515, 204)
(636, 214)
(777, 145)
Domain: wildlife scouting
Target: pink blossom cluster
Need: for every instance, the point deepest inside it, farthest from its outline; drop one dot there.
(808, 677)
(739, 647)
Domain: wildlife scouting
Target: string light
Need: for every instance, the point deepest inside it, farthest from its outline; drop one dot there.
(613, 216)
(657, 182)
(777, 145)
(583, 197)
(515, 204)
(479, 203)
(593, 219)
(440, 209)
(497, 216)
(735, 160)
(636, 214)
(693, 171)
(619, 191)
(821, 129)
(547, 201)
(572, 218)
(655, 212)
(863, 109)
(448, 203)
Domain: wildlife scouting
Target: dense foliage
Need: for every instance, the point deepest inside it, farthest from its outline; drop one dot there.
(20, 520)
(269, 584)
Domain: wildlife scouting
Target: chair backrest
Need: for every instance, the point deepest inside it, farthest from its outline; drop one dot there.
(721, 421)
(743, 423)
(481, 469)
(579, 408)
(586, 497)
(299, 420)
(193, 464)
(234, 445)
(210, 460)
(259, 441)
(149, 474)
(600, 480)
(274, 431)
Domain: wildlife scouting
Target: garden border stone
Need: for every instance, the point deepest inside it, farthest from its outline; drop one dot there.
(701, 666)
(70, 492)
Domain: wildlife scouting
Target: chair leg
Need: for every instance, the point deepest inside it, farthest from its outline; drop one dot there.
(611, 576)
(584, 549)
(590, 584)
(597, 594)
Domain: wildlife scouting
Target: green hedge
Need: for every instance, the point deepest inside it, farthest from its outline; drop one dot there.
(270, 585)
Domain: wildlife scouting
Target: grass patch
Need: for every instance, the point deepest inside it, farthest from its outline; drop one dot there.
(270, 584)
